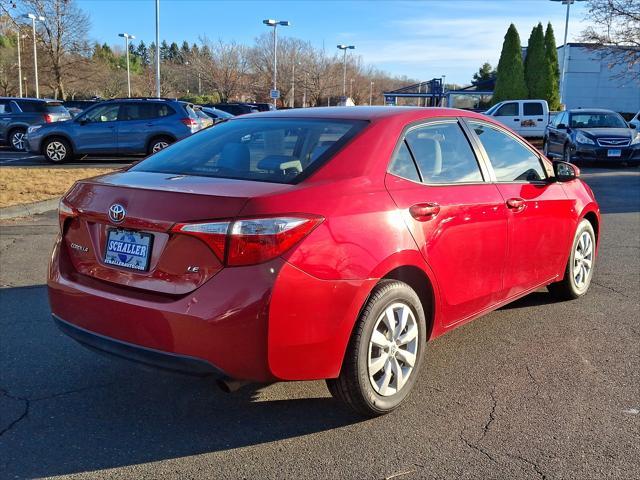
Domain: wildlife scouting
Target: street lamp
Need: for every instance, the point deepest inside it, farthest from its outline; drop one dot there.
(33, 18)
(158, 48)
(351, 88)
(565, 57)
(127, 37)
(274, 23)
(344, 49)
(371, 93)
(19, 63)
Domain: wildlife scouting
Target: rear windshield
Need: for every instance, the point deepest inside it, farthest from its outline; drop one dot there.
(597, 120)
(262, 149)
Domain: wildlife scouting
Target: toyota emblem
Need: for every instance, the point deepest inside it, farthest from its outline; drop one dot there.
(117, 213)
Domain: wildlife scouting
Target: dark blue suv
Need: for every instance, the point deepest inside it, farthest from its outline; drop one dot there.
(115, 127)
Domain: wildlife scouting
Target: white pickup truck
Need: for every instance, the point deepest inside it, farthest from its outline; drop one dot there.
(527, 117)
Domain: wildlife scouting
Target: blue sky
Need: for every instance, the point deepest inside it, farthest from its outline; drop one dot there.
(420, 39)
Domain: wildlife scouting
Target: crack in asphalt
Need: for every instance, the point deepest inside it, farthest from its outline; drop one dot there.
(28, 402)
(492, 413)
(22, 416)
(485, 428)
(611, 289)
(535, 466)
(478, 448)
(533, 379)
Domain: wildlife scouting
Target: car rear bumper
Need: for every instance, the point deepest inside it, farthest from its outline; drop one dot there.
(136, 353)
(262, 322)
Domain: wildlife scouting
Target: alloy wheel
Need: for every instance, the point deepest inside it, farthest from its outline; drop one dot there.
(393, 349)
(159, 146)
(583, 261)
(18, 140)
(56, 151)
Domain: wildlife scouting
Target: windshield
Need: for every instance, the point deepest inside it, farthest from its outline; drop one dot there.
(492, 109)
(268, 150)
(597, 120)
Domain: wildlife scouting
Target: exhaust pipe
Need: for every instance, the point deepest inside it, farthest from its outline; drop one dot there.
(230, 385)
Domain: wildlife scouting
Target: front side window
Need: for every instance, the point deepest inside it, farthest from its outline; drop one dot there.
(268, 150)
(507, 110)
(511, 160)
(102, 113)
(443, 154)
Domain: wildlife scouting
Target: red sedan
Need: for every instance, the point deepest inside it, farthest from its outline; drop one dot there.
(326, 243)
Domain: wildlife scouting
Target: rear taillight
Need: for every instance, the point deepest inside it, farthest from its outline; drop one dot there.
(65, 211)
(190, 122)
(47, 118)
(252, 240)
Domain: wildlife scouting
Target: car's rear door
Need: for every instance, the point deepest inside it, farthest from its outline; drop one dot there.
(457, 218)
(556, 136)
(539, 211)
(136, 120)
(533, 119)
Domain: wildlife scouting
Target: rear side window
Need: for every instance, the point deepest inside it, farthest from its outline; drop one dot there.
(269, 150)
(532, 108)
(443, 154)
(507, 110)
(511, 160)
(402, 164)
(5, 106)
(144, 111)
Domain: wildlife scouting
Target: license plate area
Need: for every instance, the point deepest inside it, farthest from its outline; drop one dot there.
(128, 249)
(614, 152)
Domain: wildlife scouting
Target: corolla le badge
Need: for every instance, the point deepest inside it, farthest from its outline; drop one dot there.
(117, 213)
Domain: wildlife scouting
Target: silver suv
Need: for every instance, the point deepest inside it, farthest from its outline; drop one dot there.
(18, 114)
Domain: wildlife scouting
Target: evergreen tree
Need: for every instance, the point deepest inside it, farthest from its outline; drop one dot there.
(143, 53)
(551, 53)
(185, 50)
(164, 50)
(510, 82)
(174, 52)
(537, 70)
(485, 72)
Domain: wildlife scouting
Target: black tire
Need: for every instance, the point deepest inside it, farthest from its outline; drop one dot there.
(57, 150)
(353, 387)
(158, 143)
(567, 288)
(16, 139)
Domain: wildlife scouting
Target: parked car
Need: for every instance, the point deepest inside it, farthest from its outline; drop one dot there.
(76, 106)
(234, 108)
(263, 107)
(217, 115)
(205, 120)
(17, 114)
(635, 121)
(259, 250)
(591, 135)
(120, 126)
(526, 117)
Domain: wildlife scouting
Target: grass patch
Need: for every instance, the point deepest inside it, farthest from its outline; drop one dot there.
(26, 185)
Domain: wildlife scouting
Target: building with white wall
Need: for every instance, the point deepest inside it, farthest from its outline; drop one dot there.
(591, 81)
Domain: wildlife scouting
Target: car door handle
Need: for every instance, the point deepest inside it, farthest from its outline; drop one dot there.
(423, 212)
(516, 204)
(516, 119)
(541, 119)
(149, 124)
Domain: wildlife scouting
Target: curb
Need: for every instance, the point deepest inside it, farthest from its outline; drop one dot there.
(28, 209)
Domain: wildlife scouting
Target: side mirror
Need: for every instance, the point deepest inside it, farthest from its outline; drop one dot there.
(565, 172)
(632, 126)
(82, 121)
(561, 126)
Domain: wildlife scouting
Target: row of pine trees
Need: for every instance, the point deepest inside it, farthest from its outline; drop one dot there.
(538, 76)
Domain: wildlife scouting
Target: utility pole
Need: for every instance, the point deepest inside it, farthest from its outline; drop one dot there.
(371, 93)
(344, 49)
(127, 37)
(158, 48)
(19, 63)
(35, 51)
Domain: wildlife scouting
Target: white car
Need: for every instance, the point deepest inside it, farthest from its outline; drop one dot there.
(527, 117)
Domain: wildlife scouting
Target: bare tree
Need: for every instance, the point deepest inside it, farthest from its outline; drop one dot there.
(615, 32)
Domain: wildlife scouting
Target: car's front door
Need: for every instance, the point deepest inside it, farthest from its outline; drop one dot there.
(458, 220)
(509, 114)
(96, 130)
(539, 210)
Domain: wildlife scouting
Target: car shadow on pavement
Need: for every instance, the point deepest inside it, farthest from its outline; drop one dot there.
(539, 297)
(66, 410)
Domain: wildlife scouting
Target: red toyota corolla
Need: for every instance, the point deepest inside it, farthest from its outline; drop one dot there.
(325, 243)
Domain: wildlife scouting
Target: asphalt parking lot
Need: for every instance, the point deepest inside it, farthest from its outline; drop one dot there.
(535, 390)
(10, 158)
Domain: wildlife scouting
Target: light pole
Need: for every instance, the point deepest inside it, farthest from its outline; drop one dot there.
(565, 57)
(293, 85)
(304, 93)
(344, 49)
(158, 48)
(127, 37)
(371, 94)
(274, 23)
(19, 63)
(35, 51)
(351, 88)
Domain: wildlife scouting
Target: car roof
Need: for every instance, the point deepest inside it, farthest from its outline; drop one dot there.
(33, 99)
(366, 113)
(590, 110)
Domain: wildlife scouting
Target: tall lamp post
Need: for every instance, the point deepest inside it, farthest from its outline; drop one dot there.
(33, 18)
(565, 57)
(19, 63)
(274, 23)
(344, 49)
(371, 94)
(127, 37)
(158, 48)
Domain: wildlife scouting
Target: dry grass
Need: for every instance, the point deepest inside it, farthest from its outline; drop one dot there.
(26, 185)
